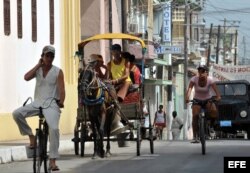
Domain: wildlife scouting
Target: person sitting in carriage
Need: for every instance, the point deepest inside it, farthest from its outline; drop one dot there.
(135, 73)
(119, 70)
(96, 62)
(100, 68)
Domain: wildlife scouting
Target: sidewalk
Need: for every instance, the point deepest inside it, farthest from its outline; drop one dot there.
(18, 150)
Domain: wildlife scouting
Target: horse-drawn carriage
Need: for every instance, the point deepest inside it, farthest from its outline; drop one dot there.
(88, 127)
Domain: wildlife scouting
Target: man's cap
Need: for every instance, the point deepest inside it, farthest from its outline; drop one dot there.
(48, 49)
(116, 47)
(202, 67)
(95, 57)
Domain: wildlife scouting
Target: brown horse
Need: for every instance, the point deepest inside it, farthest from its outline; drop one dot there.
(96, 98)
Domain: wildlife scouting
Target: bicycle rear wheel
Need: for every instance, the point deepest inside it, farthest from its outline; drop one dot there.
(37, 161)
(202, 135)
(138, 140)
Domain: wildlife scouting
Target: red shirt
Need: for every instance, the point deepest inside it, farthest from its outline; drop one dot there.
(136, 75)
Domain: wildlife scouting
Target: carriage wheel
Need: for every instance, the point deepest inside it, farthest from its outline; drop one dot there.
(138, 140)
(76, 138)
(76, 142)
(151, 140)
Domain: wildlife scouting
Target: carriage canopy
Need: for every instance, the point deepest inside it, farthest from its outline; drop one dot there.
(109, 36)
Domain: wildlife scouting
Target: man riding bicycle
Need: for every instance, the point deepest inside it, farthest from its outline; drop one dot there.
(202, 84)
(49, 85)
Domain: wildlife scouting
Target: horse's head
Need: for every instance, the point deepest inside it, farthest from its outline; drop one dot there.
(87, 81)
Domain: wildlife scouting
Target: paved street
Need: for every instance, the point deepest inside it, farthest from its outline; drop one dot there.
(169, 157)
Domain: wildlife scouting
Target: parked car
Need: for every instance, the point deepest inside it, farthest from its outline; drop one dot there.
(234, 107)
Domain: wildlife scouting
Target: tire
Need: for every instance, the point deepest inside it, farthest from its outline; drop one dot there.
(248, 133)
(202, 135)
(152, 146)
(45, 142)
(83, 139)
(138, 140)
(37, 162)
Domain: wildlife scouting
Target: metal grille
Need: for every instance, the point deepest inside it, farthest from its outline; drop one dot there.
(226, 112)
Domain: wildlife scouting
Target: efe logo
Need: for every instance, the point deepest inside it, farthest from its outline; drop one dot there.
(239, 164)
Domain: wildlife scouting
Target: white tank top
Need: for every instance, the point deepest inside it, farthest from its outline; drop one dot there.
(160, 117)
(46, 87)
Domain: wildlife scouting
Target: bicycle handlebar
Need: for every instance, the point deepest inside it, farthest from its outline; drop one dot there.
(41, 107)
(203, 103)
(199, 101)
(29, 98)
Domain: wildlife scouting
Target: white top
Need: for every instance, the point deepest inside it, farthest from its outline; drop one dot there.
(202, 93)
(176, 123)
(46, 87)
(160, 117)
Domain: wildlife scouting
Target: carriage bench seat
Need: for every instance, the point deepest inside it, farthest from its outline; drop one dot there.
(130, 105)
(133, 97)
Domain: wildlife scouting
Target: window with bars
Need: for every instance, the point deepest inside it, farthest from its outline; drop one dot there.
(51, 20)
(19, 19)
(6, 13)
(178, 30)
(178, 14)
(34, 20)
(7, 19)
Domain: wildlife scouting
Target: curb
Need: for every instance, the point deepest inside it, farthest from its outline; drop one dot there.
(17, 153)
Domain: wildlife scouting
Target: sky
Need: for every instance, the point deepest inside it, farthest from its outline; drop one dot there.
(233, 10)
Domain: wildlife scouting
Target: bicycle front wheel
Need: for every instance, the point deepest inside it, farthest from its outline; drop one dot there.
(44, 154)
(37, 161)
(202, 135)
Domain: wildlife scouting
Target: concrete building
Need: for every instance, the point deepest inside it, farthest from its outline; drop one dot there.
(139, 18)
(26, 27)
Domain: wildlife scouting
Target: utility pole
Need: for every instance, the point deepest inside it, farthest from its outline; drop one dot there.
(185, 57)
(218, 45)
(235, 49)
(224, 42)
(224, 35)
(244, 50)
(209, 44)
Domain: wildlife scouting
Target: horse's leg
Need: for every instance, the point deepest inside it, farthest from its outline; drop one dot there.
(103, 118)
(94, 136)
(100, 139)
(109, 120)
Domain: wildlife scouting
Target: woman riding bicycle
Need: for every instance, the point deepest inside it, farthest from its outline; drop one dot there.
(202, 84)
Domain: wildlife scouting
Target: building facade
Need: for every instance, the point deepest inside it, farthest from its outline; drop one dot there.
(26, 27)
